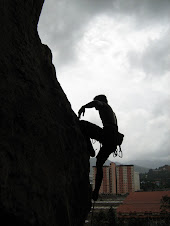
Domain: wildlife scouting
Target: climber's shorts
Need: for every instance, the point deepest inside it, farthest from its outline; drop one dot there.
(109, 136)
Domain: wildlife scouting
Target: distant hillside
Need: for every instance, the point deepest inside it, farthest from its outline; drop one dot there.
(141, 169)
(150, 164)
(137, 168)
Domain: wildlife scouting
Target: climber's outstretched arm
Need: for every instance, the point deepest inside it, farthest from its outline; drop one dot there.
(91, 104)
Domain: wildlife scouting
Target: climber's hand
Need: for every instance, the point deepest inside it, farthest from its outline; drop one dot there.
(81, 111)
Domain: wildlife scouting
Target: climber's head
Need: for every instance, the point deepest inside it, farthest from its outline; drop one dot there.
(101, 98)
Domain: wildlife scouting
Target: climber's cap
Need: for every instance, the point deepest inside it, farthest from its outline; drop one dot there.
(101, 98)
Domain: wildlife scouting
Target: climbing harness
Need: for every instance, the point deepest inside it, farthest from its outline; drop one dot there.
(92, 214)
(118, 152)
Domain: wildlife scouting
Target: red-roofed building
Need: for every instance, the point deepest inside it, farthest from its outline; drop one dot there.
(143, 205)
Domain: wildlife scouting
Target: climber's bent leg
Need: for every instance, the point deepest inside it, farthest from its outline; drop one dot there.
(90, 147)
(92, 131)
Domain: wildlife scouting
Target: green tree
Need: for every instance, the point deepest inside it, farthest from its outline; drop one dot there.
(100, 219)
(107, 218)
(165, 203)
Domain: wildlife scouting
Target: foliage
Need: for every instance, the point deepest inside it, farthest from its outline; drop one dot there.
(107, 218)
(165, 202)
(157, 179)
(143, 222)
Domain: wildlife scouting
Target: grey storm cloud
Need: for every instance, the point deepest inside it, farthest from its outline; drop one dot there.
(162, 107)
(154, 60)
(145, 12)
(162, 151)
(62, 22)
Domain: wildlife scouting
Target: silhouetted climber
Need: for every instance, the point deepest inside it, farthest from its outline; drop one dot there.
(106, 136)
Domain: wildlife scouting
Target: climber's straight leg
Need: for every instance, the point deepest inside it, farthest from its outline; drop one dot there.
(101, 158)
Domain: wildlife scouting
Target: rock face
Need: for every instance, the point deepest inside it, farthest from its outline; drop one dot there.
(44, 163)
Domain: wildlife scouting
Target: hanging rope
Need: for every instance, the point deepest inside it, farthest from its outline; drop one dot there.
(118, 152)
(92, 214)
(93, 141)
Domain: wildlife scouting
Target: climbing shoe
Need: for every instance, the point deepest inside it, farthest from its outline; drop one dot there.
(95, 195)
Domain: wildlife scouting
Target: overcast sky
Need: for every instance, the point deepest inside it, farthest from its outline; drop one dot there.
(121, 49)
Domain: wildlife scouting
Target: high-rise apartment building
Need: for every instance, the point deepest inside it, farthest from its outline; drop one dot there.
(137, 181)
(118, 179)
(112, 178)
(125, 179)
(108, 185)
(105, 186)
